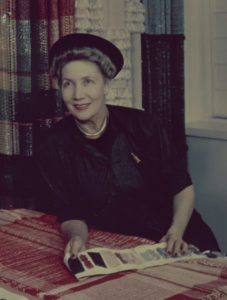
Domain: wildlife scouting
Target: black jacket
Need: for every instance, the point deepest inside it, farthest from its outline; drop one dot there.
(123, 182)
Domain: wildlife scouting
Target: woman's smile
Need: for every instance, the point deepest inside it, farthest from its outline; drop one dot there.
(81, 106)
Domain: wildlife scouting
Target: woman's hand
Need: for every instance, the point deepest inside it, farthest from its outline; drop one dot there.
(183, 204)
(175, 244)
(74, 246)
(76, 231)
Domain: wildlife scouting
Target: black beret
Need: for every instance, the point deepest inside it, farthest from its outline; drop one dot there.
(78, 40)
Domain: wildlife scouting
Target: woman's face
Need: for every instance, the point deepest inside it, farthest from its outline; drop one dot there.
(83, 90)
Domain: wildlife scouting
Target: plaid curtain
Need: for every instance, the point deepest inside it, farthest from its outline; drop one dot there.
(163, 65)
(29, 100)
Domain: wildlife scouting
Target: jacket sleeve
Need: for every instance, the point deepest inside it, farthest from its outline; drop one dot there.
(173, 161)
(160, 159)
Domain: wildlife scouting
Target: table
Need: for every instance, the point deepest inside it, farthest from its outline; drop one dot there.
(31, 266)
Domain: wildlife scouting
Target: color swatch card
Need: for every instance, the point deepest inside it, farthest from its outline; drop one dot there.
(99, 261)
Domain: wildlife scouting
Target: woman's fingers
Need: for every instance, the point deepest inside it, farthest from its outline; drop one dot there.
(74, 246)
(184, 247)
(175, 245)
(191, 246)
(163, 239)
(170, 245)
(180, 247)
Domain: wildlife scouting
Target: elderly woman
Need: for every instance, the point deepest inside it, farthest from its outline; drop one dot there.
(112, 168)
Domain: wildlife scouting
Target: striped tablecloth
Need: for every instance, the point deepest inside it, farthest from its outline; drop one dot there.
(31, 265)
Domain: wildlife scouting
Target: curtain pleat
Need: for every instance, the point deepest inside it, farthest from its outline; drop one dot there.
(164, 16)
(163, 80)
(163, 65)
(29, 100)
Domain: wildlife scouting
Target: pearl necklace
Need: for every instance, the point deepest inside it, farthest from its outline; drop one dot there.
(97, 133)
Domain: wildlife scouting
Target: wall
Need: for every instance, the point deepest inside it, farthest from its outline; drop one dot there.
(207, 161)
(121, 22)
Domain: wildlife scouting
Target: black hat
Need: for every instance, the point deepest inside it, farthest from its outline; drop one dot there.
(78, 40)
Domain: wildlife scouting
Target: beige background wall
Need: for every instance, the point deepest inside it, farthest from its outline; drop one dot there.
(207, 160)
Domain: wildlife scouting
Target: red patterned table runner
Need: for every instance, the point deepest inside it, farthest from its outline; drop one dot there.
(31, 263)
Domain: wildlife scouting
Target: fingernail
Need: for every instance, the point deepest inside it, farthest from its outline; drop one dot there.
(175, 254)
(183, 252)
(169, 252)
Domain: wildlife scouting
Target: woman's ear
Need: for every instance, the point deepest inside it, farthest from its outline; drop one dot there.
(107, 86)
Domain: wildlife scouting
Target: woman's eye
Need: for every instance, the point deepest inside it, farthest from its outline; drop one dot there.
(65, 84)
(88, 81)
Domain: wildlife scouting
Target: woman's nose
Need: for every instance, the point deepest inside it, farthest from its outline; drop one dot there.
(78, 92)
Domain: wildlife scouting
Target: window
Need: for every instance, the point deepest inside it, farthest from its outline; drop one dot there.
(206, 67)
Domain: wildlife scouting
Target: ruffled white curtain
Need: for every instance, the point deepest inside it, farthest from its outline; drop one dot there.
(90, 18)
